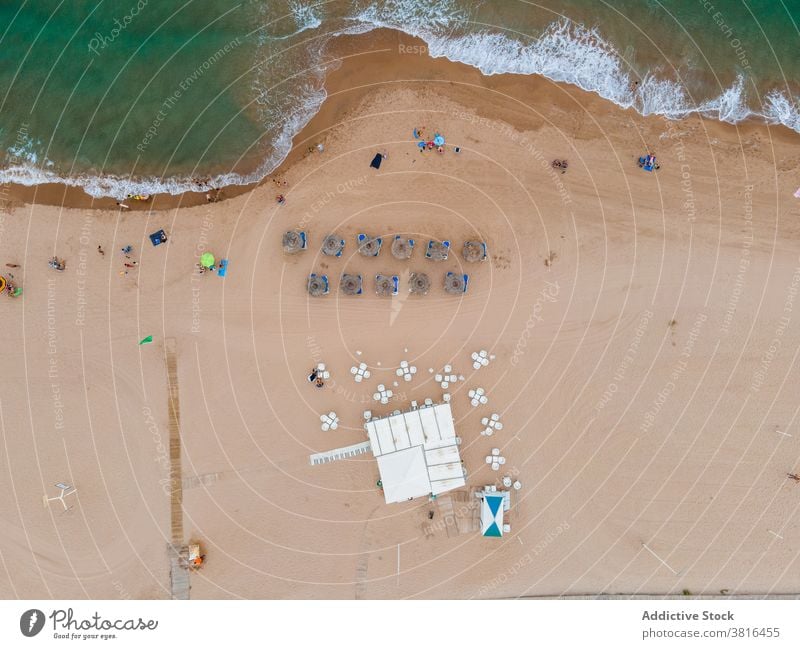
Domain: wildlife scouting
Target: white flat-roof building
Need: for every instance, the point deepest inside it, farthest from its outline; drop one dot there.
(417, 452)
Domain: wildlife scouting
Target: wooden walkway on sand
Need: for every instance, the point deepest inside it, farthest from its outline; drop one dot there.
(179, 576)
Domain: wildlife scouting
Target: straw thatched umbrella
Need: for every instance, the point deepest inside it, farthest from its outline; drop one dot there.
(317, 285)
(384, 285)
(419, 283)
(292, 241)
(332, 245)
(351, 284)
(474, 251)
(437, 251)
(402, 248)
(454, 283)
(370, 247)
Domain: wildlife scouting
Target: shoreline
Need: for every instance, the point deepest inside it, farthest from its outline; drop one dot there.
(395, 57)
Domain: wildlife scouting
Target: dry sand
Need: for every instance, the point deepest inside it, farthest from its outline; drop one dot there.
(646, 376)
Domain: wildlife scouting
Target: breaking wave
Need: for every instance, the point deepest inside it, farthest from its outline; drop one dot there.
(564, 52)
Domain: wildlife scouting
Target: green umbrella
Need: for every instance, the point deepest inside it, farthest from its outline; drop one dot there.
(207, 260)
(144, 341)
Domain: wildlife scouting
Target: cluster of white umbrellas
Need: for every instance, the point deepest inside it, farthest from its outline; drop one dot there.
(491, 424)
(478, 397)
(481, 359)
(360, 372)
(383, 394)
(329, 421)
(406, 371)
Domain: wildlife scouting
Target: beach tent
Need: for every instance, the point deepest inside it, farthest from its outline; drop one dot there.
(376, 161)
(492, 514)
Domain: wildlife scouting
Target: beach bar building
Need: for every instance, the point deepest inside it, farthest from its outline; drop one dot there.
(417, 452)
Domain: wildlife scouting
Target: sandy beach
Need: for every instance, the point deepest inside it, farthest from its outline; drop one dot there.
(646, 328)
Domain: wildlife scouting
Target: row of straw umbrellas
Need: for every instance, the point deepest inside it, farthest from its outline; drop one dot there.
(402, 247)
(418, 284)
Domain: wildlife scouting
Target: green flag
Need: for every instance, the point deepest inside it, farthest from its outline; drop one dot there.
(144, 341)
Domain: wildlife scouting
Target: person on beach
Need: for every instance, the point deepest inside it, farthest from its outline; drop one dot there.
(101, 251)
(319, 382)
(122, 205)
(793, 476)
(281, 199)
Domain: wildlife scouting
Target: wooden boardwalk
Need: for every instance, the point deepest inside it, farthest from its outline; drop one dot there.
(179, 576)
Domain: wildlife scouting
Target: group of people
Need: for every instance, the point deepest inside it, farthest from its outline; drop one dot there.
(315, 378)
(8, 284)
(560, 164)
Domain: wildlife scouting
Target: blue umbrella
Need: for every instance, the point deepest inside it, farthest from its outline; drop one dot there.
(438, 140)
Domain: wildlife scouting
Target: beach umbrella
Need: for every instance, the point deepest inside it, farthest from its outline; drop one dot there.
(384, 285)
(474, 251)
(292, 241)
(207, 260)
(351, 284)
(419, 283)
(369, 247)
(438, 140)
(332, 245)
(454, 283)
(317, 285)
(438, 250)
(145, 341)
(401, 248)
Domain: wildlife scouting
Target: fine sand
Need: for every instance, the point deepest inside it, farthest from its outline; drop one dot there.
(646, 328)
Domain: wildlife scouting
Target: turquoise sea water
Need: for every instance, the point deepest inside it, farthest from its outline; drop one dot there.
(123, 96)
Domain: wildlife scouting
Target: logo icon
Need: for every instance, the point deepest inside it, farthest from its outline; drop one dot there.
(31, 622)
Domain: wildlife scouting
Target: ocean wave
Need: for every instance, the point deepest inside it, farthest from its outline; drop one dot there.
(564, 52)
(567, 52)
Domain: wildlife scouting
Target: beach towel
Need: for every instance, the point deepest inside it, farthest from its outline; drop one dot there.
(376, 161)
(157, 238)
(222, 269)
(797, 193)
